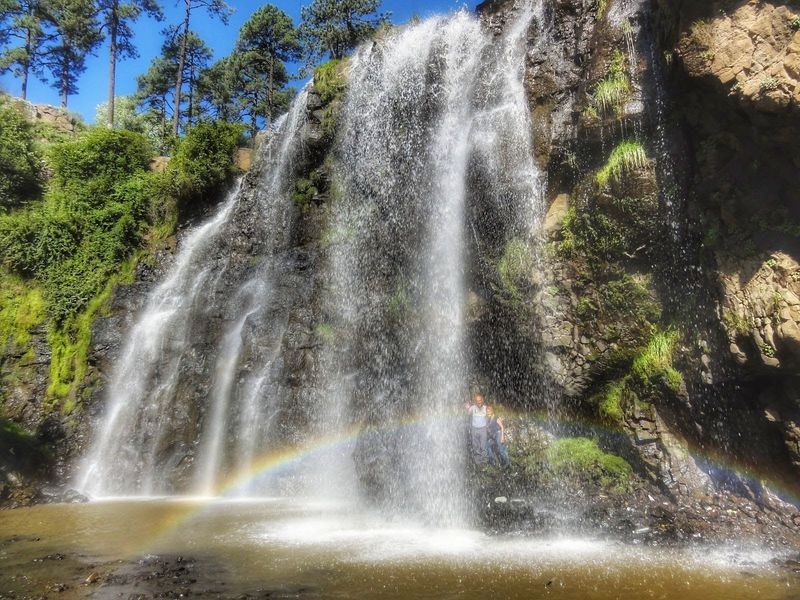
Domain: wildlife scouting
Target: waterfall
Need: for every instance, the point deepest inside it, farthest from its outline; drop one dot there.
(434, 135)
(436, 115)
(155, 433)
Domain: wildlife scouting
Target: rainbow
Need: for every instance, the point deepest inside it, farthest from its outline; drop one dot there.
(280, 460)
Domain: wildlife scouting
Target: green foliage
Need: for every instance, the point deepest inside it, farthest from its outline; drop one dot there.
(325, 333)
(611, 402)
(702, 34)
(767, 84)
(736, 323)
(203, 163)
(334, 27)
(329, 80)
(89, 222)
(69, 340)
(514, 266)
(611, 93)
(625, 298)
(795, 23)
(592, 235)
(581, 458)
(125, 115)
(97, 161)
(304, 192)
(22, 36)
(628, 156)
(73, 32)
(21, 309)
(655, 360)
(20, 162)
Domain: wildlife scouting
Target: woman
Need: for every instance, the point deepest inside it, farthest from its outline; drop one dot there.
(497, 449)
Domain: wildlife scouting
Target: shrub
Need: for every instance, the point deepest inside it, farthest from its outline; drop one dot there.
(329, 80)
(580, 458)
(20, 162)
(203, 162)
(100, 158)
(304, 192)
(628, 156)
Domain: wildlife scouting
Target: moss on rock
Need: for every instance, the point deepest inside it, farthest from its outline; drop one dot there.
(581, 459)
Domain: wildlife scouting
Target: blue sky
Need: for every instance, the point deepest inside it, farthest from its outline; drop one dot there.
(221, 38)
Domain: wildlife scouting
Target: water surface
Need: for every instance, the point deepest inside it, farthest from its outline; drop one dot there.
(317, 549)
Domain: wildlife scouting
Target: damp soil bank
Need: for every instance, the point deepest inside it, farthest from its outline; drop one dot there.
(292, 549)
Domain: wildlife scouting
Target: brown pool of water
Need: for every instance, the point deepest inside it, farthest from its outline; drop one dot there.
(289, 548)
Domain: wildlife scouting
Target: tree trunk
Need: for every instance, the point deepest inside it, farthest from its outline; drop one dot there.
(190, 112)
(64, 82)
(270, 97)
(112, 64)
(176, 116)
(27, 63)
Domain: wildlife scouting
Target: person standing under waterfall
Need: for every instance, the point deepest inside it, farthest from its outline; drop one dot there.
(478, 432)
(497, 449)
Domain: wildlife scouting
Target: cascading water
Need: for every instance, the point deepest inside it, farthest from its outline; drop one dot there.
(154, 425)
(436, 119)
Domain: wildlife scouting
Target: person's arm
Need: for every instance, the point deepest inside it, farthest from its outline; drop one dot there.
(502, 430)
(467, 407)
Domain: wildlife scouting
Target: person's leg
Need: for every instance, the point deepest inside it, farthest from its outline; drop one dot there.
(503, 452)
(491, 451)
(475, 444)
(482, 440)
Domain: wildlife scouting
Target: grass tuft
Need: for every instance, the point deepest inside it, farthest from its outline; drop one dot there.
(611, 93)
(627, 157)
(655, 360)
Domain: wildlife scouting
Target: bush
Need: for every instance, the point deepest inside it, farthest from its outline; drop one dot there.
(329, 80)
(203, 163)
(581, 459)
(20, 162)
(93, 165)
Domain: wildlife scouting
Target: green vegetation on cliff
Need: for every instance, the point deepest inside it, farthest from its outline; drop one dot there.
(62, 255)
(582, 459)
(614, 89)
(655, 360)
(627, 156)
(20, 159)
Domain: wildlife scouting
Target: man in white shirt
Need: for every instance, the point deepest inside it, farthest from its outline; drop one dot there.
(478, 432)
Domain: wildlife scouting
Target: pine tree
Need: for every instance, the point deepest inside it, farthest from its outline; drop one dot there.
(153, 92)
(21, 27)
(75, 33)
(117, 17)
(215, 8)
(334, 27)
(268, 39)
